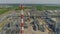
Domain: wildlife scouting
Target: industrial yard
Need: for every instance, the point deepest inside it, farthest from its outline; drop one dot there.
(30, 21)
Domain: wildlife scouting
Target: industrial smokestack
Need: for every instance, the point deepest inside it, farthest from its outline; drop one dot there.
(22, 20)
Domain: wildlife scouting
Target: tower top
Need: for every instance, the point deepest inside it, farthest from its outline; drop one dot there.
(21, 7)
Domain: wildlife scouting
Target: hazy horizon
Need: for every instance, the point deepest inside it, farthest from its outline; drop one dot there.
(29, 1)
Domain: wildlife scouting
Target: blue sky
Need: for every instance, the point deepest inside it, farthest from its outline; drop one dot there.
(31, 1)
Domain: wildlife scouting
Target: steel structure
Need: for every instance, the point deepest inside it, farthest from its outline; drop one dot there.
(22, 21)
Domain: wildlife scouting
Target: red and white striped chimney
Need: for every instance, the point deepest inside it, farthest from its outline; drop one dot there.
(22, 21)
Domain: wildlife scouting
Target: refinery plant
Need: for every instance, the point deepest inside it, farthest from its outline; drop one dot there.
(29, 19)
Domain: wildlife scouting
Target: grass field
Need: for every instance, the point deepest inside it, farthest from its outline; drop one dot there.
(47, 7)
(40, 7)
(4, 10)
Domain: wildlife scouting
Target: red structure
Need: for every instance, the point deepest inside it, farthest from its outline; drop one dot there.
(22, 20)
(21, 7)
